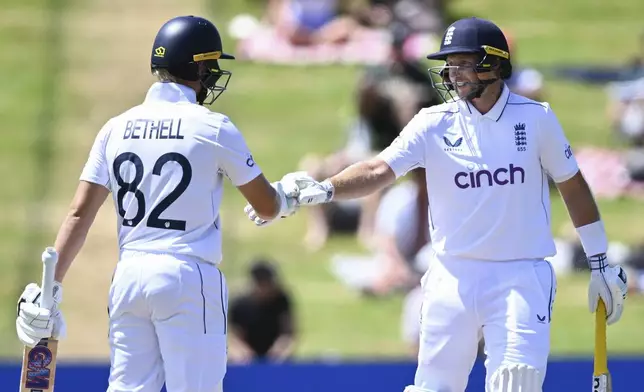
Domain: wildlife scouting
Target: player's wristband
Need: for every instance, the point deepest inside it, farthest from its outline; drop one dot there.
(330, 190)
(593, 238)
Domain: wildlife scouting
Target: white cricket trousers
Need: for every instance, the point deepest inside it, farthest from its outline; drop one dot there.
(508, 303)
(167, 324)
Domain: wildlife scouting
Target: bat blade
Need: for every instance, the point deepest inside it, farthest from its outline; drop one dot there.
(39, 367)
(601, 376)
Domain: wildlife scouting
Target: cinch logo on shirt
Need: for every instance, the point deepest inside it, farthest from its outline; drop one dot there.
(501, 176)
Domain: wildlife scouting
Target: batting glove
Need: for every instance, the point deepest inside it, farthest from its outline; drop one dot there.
(608, 283)
(310, 191)
(287, 192)
(35, 323)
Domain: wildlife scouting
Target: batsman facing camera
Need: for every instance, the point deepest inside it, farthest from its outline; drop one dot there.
(488, 154)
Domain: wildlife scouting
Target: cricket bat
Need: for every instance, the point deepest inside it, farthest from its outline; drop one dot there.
(601, 375)
(39, 362)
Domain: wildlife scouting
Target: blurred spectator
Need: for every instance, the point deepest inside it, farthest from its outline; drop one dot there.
(311, 22)
(524, 81)
(388, 96)
(401, 231)
(634, 266)
(400, 243)
(420, 16)
(262, 321)
(626, 110)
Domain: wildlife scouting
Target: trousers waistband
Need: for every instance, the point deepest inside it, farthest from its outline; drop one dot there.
(129, 254)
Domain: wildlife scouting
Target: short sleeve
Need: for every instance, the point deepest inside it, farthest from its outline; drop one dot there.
(555, 151)
(236, 161)
(96, 168)
(407, 151)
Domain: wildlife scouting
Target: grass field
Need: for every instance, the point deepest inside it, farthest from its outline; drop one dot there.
(285, 112)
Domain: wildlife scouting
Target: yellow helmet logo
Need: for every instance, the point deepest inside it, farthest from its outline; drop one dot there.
(159, 52)
(207, 56)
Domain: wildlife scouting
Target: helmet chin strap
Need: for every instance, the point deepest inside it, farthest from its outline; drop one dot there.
(202, 94)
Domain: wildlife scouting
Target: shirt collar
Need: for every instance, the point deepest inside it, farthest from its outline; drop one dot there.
(493, 114)
(170, 92)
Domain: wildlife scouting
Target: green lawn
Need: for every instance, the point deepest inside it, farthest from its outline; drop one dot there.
(285, 112)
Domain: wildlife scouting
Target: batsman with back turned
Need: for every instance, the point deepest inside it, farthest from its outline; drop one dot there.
(164, 162)
(487, 154)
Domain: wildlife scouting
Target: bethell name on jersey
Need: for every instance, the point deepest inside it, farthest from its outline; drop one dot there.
(167, 128)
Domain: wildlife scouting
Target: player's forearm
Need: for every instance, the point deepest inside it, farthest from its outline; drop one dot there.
(270, 214)
(70, 240)
(584, 214)
(362, 179)
(579, 201)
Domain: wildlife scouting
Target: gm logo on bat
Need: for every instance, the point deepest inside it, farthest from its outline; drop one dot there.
(38, 375)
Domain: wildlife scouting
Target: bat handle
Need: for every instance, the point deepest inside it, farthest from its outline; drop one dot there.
(49, 260)
(601, 357)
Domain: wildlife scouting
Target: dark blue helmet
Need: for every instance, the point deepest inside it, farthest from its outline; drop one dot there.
(189, 48)
(474, 36)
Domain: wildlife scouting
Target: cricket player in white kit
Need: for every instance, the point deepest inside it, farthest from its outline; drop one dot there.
(487, 154)
(164, 162)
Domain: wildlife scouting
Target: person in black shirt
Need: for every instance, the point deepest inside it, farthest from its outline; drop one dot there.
(261, 320)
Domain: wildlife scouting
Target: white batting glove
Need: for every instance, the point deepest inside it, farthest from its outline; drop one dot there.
(608, 283)
(35, 323)
(287, 192)
(311, 192)
(316, 193)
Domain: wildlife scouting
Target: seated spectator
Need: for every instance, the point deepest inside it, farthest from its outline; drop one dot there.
(634, 266)
(400, 243)
(261, 321)
(311, 22)
(388, 97)
(401, 231)
(420, 16)
(626, 110)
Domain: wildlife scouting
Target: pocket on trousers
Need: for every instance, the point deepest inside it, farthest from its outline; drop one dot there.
(545, 276)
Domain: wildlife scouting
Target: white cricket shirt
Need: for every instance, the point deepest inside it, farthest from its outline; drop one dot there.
(164, 162)
(487, 175)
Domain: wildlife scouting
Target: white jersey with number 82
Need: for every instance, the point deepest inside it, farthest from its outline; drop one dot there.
(164, 162)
